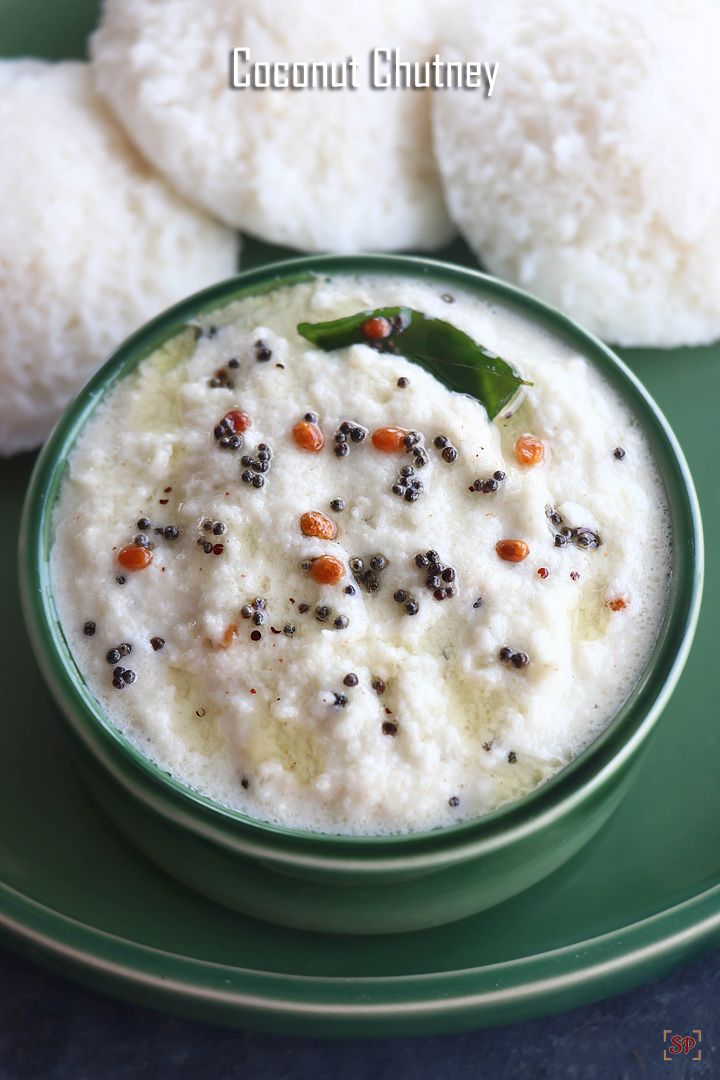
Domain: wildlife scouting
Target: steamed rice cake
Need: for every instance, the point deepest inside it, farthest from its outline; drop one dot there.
(314, 168)
(92, 242)
(590, 176)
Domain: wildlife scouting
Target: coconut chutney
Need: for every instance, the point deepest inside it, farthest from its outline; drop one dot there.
(263, 610)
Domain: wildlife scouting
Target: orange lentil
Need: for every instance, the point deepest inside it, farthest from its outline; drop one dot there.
(512, 550)
(389, 439)
(238, 421)
(134, 558)
(313, 523)
(376, 328)
(327, 570)
(529, 450)
(308, 436)
(229, 635)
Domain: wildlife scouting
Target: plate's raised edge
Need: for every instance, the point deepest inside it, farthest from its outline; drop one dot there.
(432, 1003)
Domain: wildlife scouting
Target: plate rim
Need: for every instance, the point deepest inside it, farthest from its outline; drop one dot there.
(609, 963)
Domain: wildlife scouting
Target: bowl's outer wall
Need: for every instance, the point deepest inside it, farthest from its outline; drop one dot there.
(351, 884)
(328, 901)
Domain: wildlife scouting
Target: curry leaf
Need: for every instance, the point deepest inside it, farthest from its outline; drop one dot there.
(446, 352)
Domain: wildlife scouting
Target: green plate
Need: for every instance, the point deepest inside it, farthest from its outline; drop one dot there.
(642, 897)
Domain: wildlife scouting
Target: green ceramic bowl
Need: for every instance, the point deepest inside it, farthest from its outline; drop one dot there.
(358, 884)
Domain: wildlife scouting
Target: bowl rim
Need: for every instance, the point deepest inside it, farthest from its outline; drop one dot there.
(587, 773)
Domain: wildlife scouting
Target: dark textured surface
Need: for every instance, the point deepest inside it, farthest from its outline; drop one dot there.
(53, 1030)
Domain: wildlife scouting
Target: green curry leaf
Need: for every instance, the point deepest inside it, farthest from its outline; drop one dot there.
(443, 350)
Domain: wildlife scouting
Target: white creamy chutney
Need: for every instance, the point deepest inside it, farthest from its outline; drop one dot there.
(273, 727)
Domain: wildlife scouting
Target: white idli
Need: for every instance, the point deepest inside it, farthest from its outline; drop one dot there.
(92, 243)
(590, 177)
(316, 169)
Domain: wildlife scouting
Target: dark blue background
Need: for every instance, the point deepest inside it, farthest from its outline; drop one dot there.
(51, 1029)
